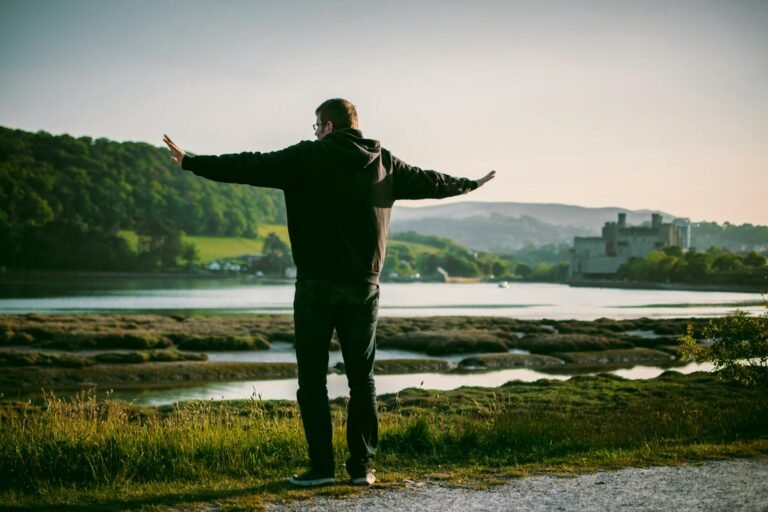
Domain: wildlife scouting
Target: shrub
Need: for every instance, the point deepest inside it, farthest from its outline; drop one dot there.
(738, 349)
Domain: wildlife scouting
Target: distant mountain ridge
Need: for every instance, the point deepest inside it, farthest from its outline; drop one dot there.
(581, 217)
(503, 227)
(507, 227)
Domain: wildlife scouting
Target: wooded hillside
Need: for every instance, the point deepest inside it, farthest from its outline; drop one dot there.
(64, 199)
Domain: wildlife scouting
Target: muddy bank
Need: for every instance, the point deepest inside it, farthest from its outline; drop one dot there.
(621, 357)
(501, 361)
(147, 375)
(400, 366)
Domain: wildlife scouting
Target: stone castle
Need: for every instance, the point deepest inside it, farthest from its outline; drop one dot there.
(600, 257)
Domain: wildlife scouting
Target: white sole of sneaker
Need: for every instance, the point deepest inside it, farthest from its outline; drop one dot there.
(365, 480)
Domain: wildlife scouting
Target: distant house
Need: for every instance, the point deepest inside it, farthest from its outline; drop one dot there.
(601, 257)
(226, 266)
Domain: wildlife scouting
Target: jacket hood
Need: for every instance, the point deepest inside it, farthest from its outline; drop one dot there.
(351, 147)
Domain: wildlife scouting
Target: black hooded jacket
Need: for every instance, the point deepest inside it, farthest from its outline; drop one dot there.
(339, 193)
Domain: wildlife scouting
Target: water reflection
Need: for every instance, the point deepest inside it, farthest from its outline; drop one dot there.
(337, 384)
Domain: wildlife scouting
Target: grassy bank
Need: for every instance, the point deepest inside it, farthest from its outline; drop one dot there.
(90, 454)
(138, 376)
(20, 359)
(429, 335)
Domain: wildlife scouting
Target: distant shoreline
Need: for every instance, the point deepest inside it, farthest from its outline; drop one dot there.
(631, 285)
(15, 276)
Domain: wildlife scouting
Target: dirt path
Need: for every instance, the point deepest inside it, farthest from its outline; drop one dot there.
(733, 485)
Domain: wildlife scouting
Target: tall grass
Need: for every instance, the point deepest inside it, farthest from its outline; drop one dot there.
(88, 441)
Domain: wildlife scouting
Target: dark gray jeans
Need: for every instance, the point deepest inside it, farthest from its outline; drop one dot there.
(352, 309)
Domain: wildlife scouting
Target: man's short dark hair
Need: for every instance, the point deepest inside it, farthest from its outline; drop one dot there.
(340, 112)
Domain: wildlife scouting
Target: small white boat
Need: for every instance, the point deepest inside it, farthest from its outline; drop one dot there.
(503, 284)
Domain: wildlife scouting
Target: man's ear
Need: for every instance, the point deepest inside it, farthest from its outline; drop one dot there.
(330, 123)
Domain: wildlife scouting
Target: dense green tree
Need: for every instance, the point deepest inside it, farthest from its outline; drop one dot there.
(674, 251)
(714, 266)
(728, 261)
(190, 255)
(523, 270)
(277, 256)
(461, 265)
(55, 190)
(754, 260)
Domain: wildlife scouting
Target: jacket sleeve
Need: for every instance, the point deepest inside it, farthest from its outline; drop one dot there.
(414, 183)
(277, 169)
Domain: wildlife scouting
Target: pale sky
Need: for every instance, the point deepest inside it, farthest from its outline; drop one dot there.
(638, 104)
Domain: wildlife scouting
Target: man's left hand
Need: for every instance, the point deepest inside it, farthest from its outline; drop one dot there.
(485, 179)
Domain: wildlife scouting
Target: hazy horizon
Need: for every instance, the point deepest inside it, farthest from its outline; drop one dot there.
(637, 105)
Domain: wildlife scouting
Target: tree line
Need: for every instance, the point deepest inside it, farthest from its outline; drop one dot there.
(713, 266)
(64, 199)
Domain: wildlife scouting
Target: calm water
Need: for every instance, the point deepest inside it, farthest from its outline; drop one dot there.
(285, 389)
(523, 300)
(520, 300)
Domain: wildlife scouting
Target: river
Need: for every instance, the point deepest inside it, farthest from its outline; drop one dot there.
(519, 300)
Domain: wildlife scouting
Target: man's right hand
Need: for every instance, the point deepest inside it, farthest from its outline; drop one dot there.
(177, 154)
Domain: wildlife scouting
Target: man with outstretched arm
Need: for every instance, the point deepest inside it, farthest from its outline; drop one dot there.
(339, 191)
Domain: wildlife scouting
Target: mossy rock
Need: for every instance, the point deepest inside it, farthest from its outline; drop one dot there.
(438, 343)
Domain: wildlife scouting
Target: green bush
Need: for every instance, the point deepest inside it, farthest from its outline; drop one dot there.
(738, 349)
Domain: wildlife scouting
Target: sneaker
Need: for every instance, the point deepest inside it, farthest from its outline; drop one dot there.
(311, 478)
(367, 479)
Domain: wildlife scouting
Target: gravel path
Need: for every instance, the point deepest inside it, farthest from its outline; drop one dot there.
(732, 485)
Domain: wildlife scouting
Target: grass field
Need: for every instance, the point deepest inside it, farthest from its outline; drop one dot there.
(90, 454)
(214, 248)
(415, 248)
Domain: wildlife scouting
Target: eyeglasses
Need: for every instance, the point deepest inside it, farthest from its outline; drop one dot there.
(317, 126)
